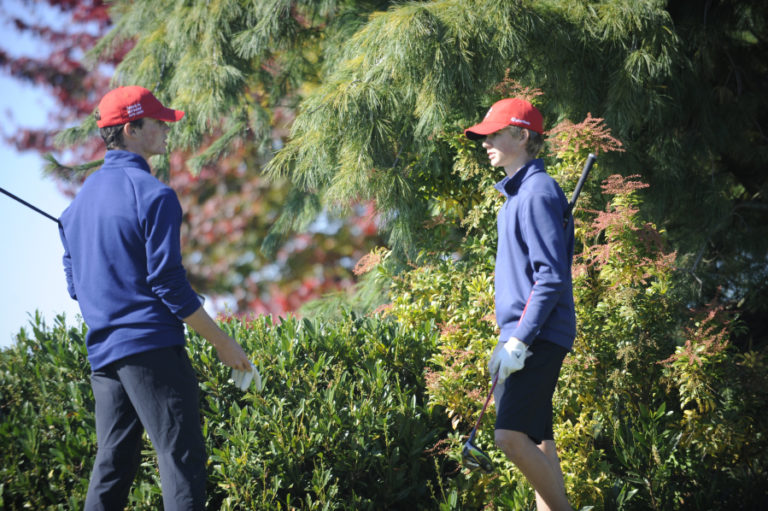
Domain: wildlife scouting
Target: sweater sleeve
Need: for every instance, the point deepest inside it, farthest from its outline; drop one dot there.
(165, 273)
(67, 260)
(542, 218)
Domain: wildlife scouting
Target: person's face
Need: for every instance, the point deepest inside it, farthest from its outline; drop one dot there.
(504, 149)
(150, 138)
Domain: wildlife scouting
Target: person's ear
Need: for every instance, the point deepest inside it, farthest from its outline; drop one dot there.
(129, 130)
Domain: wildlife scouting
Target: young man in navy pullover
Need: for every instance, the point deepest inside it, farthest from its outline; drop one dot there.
(534, 296)
(122, 260)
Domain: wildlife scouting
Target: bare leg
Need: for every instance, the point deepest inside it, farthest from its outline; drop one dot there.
(537, 466)
(550, 451)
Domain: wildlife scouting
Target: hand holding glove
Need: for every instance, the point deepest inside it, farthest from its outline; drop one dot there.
(243, 379)
(509, 358)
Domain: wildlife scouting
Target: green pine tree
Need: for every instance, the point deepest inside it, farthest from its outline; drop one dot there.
(382, 90)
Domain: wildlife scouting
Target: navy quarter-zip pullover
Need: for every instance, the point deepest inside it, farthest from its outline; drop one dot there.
(534, 297)
(122, 260)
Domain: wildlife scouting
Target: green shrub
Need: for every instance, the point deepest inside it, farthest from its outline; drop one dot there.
(46, 419)
(655, 409)
(342, 422)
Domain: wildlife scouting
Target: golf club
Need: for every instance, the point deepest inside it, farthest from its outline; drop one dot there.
(27, 204)
(471, 455)
(584, 173)
(35, 208)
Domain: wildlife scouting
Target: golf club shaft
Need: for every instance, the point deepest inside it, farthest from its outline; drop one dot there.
(584, 173)
(27, 204)
(485, 406)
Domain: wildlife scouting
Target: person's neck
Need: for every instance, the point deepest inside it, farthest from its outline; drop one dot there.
(516, 165)
(136, 146)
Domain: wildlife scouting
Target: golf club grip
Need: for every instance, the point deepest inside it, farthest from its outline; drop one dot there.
(27, 204)
(584, 173)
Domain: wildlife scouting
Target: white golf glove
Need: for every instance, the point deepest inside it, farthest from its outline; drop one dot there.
(243, 379)
(508, 359)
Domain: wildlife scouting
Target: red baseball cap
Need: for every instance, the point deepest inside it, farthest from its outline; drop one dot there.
(507, 112)
(126, 104)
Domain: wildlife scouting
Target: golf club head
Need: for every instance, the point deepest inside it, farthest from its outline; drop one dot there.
(473, 457)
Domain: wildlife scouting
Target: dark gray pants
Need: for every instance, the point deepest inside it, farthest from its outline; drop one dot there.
(157, 391)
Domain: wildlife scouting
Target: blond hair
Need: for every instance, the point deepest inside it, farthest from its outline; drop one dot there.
(535, 140)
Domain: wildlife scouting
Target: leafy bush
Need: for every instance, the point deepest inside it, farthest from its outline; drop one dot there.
(46, 419)
(655, 409)
(342, 422)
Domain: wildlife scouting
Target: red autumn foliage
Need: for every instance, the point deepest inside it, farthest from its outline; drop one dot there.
(61, 71)
(708, 331)
(511, 88)
(229, 207)
(591, 134)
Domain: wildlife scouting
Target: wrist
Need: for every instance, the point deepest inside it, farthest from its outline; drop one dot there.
(220, 339)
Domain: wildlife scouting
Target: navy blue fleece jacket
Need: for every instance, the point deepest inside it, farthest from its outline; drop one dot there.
(122, 260)
(534, 290)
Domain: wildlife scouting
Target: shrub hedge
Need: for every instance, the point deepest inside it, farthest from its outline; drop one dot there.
(341, 424)
(655, 408)
(369, 413)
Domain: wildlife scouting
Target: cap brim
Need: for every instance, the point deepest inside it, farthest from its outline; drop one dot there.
(167, 115)
(483, 129)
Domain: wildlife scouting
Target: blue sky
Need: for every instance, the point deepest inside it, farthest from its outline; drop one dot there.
(30, 258)
(30, 252)
(31, 273)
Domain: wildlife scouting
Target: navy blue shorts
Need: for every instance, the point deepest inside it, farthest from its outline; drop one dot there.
(528, 406)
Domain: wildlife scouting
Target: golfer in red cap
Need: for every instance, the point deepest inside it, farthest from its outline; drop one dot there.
(534, 295)
(122, 260)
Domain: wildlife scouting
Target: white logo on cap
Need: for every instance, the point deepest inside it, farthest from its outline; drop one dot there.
(515, 119)
(134, 110)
